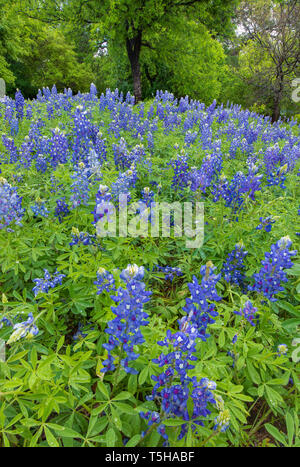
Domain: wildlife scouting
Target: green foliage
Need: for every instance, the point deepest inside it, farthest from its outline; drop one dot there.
(52, 390)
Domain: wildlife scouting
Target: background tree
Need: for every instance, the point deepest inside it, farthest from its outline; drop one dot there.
(134, 24)
(271, 55)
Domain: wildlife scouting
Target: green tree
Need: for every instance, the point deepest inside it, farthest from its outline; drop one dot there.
(51, 60)
(270, 57)
(11, 45)
(133, 24)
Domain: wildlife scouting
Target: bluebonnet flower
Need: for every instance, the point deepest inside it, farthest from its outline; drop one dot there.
(170, 272)
(27, 329)
(151, 417)
(124, 331)
(268, 280)
(150, 141)
(133, 271)
(39, 208)
(145, 206)
(124, 182)
(105, 281)
(19, 102)
(93, 90)
(265, 223)
(121, 154)
(80, 186)
(234, 264)
(190, 137)
(58, 147)
(234, 340)
(14, 127)
(249, 313)
(277, 177)
(29, 112)
(222, 421)
(103, 207)
(200, 313)
(10, 205)
(56, 187)
(11, 148)
(147, 196)
(62, 209)
(50, 110)
(5, 321)
(79, 333)
(181, 171)
(174, 387)
(81, 237)
(209, 170)
(94, 162)
(237, 190)
(48, 282)
(41, 163)
(282, 349)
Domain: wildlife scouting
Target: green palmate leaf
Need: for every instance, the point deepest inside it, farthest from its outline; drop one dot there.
(126, 408)
(277, 435)
(254, 375)
(102, 387)
(290, 428)
(110, 438)
(274, 396)
(143, 375)
(133, 441)
(124, 395)
(64, 431)
(174, 422)
(51, 440)
(116, 419)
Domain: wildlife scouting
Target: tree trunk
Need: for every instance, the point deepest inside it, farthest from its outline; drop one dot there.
(276, 110)
(133, 47)
(278, 96)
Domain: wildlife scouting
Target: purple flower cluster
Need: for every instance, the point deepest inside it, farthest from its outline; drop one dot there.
(249, 313)
(27, 329)
(62, 209)
(81, 237)
(124, 331)
(147, 196)
(39, 209)
(103, 206)
(209, 170)
(174, 387)
(10, 204)
(181, 172)
(199, 311)
(277, 177)
(80, 186)
(105, 281)
(237, 190)
(268, 280)
(19, 103)
(79, 333)
(232, 268)
(265, 223)
(48, 282)
(169, 272)
(124, 182)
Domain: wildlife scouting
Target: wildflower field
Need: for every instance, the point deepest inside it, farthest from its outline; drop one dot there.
(141, 340)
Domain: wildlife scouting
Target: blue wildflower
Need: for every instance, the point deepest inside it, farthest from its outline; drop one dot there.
(249, 313)
(48, 282)
(124, 331)
(27, 329)
(271, 275)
